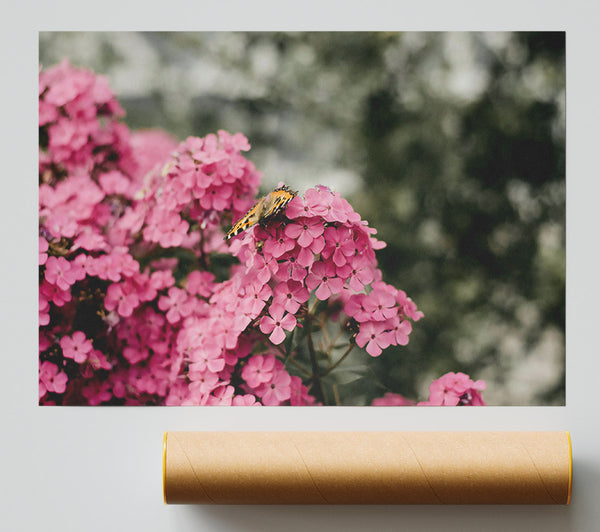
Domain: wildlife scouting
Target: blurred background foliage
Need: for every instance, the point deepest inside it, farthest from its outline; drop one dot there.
(451, 144)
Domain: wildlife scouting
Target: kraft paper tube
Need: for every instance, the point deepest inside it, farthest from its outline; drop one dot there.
(367, 467)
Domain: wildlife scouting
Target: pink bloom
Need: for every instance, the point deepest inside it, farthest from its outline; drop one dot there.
(204, 383)
(44, 309)
(392, 399)
(76, 346)
(299, 395)
(314, 204)
(255, 298)
(199, 283)
(340, 244)
(292, 269)
(454, 389)
(47, 113)
(114, 182)
(291, 294)
(380, 305)
(217, 198)
(135, 354)
(374, 336)
(90, 240)
(96, 392)
(276, 247)
(121, 297)
(43, 245)
(51, 379)
(172, 231)
(258, 370)
(98, 360)
(358, 271)
(323, 277)
(161, 279)
(222, 396)
(409, 309)
(206, 361)
(400, 330)
(305, 230)
(59, 272)
(245, 400)
(277, 390)
(53, 293)
(275, 323)
(177, 304)
(263, 268)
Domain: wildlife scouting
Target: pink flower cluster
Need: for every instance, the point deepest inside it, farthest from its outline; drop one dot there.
(79, 115)
(455, 389)
(451, 389)
(136, 303)
(205, 183)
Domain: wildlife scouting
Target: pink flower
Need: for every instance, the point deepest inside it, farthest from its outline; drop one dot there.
(44, 309)
(340, 244)
(392, 399)
(47, 113)
(114, 182)
(51, 379)
(76, 346)
(323, 277)
(277, 390)
(305, 230)
(299, 395)
(409, 309)
(291, 268)
(172, 231)
(59, 272)
(90, 240)
(199, 283)
(136, 354)
(222, 396)
(291, 295)
(400, 330)
(98, 360)
(358, 271)
(258, 370)
(374, 336)
(255, 298)
(177, 304)
(245, 400)
(454, 389)
(314, 204)
(206, 361)
(121, 297)
(276, 247)
(43, 245)
(204, 383)
(380, 305)
(217, 198)
(276, 323)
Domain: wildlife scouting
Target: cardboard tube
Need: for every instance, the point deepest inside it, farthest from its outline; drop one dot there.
(367, 467)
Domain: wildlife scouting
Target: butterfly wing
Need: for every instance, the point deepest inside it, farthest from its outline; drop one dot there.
(251, 218)
(267, 207)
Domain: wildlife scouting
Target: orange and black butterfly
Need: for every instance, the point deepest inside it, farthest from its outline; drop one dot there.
(266, 207)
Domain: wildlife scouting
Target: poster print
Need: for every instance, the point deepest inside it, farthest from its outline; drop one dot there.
(302, 218)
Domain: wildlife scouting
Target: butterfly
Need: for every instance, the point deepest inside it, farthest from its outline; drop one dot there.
(265, 208)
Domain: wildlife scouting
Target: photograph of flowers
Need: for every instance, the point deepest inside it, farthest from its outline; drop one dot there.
(308, 218)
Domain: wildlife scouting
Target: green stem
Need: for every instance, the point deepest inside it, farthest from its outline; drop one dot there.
(300, 367)
(340, 360)
(288, 346)
(319, 395)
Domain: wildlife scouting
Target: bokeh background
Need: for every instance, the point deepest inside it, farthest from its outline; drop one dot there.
(451, 144)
